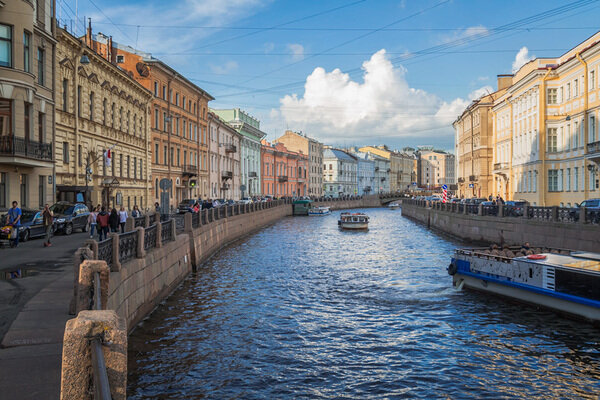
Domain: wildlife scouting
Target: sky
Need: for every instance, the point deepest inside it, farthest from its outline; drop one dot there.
(347, 72)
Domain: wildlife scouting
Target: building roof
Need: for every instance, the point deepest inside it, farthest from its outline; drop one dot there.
(339, 154)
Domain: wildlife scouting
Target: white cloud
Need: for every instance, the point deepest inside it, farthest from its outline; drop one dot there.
(297, 51)
(224, 69)
(336, 108)
(521, 59)
(475, 94)
(466, 35)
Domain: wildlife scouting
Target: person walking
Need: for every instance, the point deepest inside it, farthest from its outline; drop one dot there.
(48, 217)
(14, 220)
(122, 218)
(92, 221)
(157, 207)
(113, 220)
(136, 212)
(102, 221)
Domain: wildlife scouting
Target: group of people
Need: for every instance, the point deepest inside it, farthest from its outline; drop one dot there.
(498, 200)
(505, 251)
(14, 222)
(105, 220)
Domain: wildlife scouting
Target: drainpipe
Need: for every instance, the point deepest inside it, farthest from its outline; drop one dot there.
(507, 186)
(542, 133)
(586, 174)
(170, 119)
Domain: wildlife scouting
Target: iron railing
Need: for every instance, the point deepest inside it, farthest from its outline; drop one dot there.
(139, 221)
(150, 237)
(166, 231)
(195, 220)
(127, 246)
(105, 251)
(15, 146)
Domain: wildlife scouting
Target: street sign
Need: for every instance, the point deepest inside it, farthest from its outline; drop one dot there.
(471, 185)
(445, 187)
(243, 188)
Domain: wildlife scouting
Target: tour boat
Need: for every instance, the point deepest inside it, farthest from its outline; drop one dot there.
(354, 221)
(319, 211)
(565, 281)
(394, 205)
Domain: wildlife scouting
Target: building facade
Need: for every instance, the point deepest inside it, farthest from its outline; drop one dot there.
(365, 173)
(223, 159)
(179, 125)
(284, 172)
(296, 141)
(102, 111)
(437, 169)
(27, 101)
(474, 144)
(250, 148)
(340, 172)
(400, 169)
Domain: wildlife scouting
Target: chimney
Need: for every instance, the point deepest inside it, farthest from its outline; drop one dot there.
(88, 34)
(504, 81)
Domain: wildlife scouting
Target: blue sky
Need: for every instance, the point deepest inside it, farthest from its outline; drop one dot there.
(348, 72)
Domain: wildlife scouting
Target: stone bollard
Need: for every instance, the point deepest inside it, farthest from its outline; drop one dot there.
(116, 264)
(554, 213)
(158, 234)
(81, 253)
(500, 209)
(77, 369)
(129, 224)
(140, 252)
(465, 210)
(157, 217)
(582, 215)
(146, 221)
(526, 211)
(173, 231)
(480, 209)
(87, 270)
(187, 222)
(93, 246)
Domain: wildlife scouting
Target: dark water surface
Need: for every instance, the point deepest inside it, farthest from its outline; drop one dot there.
(304, 310)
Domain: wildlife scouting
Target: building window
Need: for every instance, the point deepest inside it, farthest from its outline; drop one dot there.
(592, 79)
(568, 91)
(592, 133)
(121, 118)
(164, 92)
(79, 100)
(5, 46)
(26, 51)
(41, 66)
(27, 121)
(164, 121)
(121, 170)
(41, 126)
(552, 140)
(65, 95)
(552, 96)
(156, 159)
(568, 185)
(553, 180)
(23, 184)
(79, 156)
(134, 124)
(91, 106)
(104, 111)
(134, 167)
(177, 99)
(172, 158)
(576, 179)
(128, 166)
(5, 117)
(178, 157)
(3, 189)
(141, 170)
(128, 120)
(165, 155)
(575, 88)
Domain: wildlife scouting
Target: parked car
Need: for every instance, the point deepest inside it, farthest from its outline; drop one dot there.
(32, 225)
(589, 204)
(185, 206)
(515, 208)
(245, 200)
(492, 210)
(70, 216)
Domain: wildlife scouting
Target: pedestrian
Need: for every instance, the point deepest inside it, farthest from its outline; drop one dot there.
(122, 218)
(136, 212)
(92, 221)
(102, 220)
(113, 220)
(196, 207)
(14, 220)
(48, 217)
(157, 207)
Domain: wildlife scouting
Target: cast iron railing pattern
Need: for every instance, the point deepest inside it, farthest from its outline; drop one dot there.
(567, 214)
(150, 237)
(15, 146)
(537, 212)
(105, 251)
(490, 210)
(166, 233)
(140, 221)
(152, 219)
(195, 220)
(127, 246)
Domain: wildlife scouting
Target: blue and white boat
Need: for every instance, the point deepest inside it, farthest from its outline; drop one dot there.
(316, 211)
(562, 280)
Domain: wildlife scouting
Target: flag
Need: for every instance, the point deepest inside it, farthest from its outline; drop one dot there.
(107, 157)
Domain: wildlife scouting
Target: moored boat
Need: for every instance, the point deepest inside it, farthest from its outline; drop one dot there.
(316, 211)
(562, 280)
(394, 205)
(354, 221)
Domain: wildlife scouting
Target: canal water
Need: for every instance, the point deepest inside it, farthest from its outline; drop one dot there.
(303, 310)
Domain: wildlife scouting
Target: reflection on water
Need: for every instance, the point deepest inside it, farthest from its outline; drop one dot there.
(305, 310)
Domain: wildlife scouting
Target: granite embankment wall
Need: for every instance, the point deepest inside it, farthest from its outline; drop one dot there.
(509, 230)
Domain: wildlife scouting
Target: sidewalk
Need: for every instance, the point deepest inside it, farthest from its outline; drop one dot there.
(33, 313)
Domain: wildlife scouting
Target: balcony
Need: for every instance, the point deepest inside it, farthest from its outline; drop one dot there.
(593, 150)
(27, 153)
(282, 178)
(190, 170)
(252, 174)
(472, 178)
(226, 174)
(461, 180)
(230, 148)
(500, 168)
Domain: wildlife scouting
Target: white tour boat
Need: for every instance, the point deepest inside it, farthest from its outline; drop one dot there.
(562, 280)
(394, 205)
(319, 211)
(354, 221)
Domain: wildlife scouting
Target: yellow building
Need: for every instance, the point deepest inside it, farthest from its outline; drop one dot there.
(100, 107)
(473, 145)
(546, 146)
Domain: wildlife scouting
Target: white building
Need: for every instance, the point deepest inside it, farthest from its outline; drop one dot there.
(340, 171)
(224, 159)
(366, 174)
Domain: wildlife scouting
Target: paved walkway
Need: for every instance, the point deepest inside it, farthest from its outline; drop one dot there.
(33, 312)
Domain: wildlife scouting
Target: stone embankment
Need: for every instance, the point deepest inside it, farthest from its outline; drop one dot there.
(140, 268)
(540, 226)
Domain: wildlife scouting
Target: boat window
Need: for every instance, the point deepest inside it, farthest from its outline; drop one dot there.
(577, 284)
(530, 273)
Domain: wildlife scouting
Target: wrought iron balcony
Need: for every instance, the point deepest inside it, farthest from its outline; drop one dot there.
(461, 180)
(191, 170)
(230, 148)
(252, 174)
(226, 174)
(282, 178)
(500, 165)
(20, 147)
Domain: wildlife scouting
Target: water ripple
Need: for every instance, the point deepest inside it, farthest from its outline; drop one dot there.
(303, 310)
